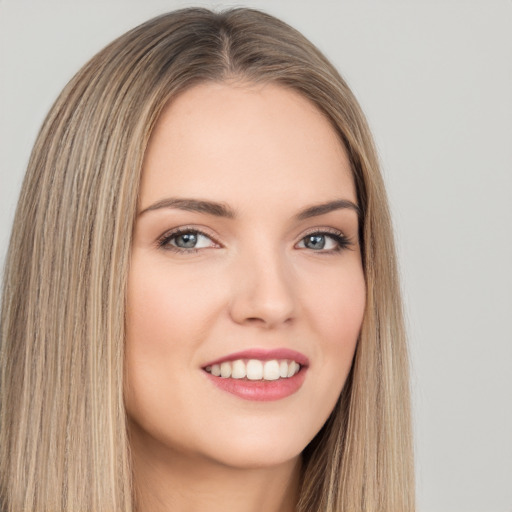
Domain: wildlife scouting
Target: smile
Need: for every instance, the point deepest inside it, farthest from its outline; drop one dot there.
(254, 369)
(257, 374)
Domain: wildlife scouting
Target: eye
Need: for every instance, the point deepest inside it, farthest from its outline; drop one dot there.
(324, 242)
(186, 240)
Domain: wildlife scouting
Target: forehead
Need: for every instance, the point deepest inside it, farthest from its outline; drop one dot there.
(241, 143)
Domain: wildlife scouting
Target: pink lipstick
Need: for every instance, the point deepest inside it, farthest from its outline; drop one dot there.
(257, 374)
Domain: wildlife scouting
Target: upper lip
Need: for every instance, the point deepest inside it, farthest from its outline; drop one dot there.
(263, 355)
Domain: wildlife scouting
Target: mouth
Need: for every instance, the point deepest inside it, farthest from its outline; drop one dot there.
(259, 374)
(255, 369)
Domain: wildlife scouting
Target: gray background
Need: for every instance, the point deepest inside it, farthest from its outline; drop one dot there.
(435, 79)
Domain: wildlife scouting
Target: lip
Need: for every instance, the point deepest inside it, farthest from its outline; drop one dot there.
(261, 390)
(263, 355)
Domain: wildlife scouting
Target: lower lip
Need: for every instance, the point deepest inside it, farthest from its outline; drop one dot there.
(260, 390)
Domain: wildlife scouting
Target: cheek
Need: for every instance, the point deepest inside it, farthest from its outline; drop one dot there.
(336, 312)
(165, 306)
(336, 302)
(167, 316)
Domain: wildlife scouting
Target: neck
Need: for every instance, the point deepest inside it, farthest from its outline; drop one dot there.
(187, 483)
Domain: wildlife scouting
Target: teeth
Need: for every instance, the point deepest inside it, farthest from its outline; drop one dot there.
(292, 368)
(225, 370)
(271, 370)
(238, 371)
(254, 369)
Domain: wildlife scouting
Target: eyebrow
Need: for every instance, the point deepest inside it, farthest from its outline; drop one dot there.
(222, 210)
(322, 209)
(193, 205)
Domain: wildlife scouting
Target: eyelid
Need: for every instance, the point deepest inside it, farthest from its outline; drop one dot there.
(322, 229)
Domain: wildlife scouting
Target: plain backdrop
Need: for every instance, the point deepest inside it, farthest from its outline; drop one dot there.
(435, 79)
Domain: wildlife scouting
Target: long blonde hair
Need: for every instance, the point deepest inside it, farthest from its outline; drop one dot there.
(63, 435)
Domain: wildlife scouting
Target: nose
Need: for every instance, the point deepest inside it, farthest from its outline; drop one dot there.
(263, 291)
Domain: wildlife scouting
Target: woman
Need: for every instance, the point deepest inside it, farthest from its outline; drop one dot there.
(201, 308)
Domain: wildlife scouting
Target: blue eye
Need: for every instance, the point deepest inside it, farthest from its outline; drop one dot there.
(324, 242)
(186, 240)
(316, 242)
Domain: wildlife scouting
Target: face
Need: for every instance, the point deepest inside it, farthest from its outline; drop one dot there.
(245, 262)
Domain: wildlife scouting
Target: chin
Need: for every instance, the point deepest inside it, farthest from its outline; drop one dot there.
(254, 457)
(257, 446)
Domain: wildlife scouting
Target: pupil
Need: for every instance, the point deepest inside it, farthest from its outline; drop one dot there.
(187, 240)
(315, 242)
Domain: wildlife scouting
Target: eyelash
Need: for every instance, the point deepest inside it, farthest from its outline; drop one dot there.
(342, 241)
(163, 242)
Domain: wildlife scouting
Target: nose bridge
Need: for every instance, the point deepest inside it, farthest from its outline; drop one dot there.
(264, 289)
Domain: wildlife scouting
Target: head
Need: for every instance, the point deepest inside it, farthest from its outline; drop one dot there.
(65, 314)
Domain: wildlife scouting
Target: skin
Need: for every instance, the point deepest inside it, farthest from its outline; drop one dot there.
(266, 153)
